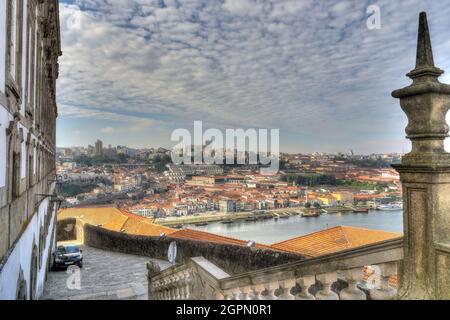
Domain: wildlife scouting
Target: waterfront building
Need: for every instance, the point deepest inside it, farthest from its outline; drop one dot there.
(343, 197)
(29, 51)
(227, 205)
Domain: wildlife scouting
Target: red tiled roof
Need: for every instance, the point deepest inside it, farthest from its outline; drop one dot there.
(211, 237)
(333, 240)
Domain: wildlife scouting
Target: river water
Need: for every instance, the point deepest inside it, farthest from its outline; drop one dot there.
(272, 231)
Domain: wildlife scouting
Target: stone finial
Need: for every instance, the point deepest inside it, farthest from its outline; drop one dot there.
(425, 102)
(153, 268)
(424, 50)
(424, 59)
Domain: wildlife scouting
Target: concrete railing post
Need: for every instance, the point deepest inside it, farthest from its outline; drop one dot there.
(424, 272)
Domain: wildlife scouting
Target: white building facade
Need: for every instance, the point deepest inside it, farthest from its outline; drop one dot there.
(29, 51)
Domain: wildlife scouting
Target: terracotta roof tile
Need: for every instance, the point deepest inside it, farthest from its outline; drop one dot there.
(211, 237)
(114, 219)
(333, 240)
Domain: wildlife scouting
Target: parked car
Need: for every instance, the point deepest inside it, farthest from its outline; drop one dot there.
(66, 255)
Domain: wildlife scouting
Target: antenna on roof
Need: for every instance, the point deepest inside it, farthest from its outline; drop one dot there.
(251, 244)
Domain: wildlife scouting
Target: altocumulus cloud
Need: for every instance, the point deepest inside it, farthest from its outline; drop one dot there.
(309, 67)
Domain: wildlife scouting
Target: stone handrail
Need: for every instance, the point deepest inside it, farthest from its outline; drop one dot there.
(333, 276)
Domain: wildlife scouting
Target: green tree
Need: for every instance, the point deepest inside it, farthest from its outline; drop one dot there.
(160, 162)
(311, 180)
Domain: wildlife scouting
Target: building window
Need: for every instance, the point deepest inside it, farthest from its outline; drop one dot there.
(30, 164)
(42, 237)
(14, 36)
(31, 53)
(14, 140)
(16, 175)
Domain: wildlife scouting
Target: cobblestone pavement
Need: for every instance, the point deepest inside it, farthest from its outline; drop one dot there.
(105, 275)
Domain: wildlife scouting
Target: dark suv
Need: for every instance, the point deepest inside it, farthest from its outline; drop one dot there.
(66, 255)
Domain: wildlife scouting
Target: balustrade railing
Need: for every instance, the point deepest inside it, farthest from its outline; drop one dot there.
(338, 276)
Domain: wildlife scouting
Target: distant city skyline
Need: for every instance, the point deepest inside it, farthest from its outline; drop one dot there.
(133, 71)
(107, 146)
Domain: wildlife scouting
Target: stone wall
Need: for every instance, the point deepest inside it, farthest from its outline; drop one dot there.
(233, 259)
(66, 229)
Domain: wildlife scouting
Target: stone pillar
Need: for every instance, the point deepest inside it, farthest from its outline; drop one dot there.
(385, 292)
(327, 280)
(286, 287)
(258, 289)
(304, 284)
(424, 272)
(352, 292)
(271, 287)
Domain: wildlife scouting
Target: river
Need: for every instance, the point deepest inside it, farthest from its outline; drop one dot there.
(272, 231)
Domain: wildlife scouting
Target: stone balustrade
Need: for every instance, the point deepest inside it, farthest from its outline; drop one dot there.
(337, 276)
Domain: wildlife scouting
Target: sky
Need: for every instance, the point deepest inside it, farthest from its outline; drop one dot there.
(132, 71)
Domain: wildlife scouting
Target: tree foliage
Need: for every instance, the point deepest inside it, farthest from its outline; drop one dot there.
(311, 180)
(160, 162)
(103, 159)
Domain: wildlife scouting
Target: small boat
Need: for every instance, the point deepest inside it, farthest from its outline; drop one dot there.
(227, 221)
(201, 224)
(251, 219)
(284, 217)
(391, 207)
(310, 215)
(361, 210)
(179, 226)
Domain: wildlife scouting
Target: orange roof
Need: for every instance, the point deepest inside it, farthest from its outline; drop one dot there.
(114, 219)
(333, 240)
(115, 224)
(92, 215)
(211, 237)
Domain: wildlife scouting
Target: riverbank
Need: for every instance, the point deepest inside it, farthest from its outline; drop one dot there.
(271, 231)
(210, 217)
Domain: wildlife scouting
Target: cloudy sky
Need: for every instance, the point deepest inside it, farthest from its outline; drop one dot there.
(132, 71)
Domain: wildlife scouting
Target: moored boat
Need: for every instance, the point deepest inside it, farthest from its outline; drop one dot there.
(390, 207)
(310, 215)
(201, 224)
(361, 210)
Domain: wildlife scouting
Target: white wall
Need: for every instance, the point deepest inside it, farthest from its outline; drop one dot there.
(24, 54)
(2, 44)
(20, 257)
